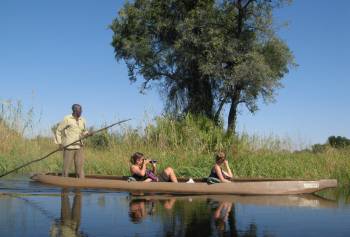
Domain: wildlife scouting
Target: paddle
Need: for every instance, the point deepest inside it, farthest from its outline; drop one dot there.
(59, 149)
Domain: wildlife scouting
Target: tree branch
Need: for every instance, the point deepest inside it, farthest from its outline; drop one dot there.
(217, 114)
(249, 2)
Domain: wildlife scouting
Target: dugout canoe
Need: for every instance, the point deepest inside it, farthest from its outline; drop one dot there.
(238, 186)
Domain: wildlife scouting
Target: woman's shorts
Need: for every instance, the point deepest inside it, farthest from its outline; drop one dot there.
(163, 177)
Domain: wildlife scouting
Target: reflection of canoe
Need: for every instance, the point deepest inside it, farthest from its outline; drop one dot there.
(303, 200)
(246, 187)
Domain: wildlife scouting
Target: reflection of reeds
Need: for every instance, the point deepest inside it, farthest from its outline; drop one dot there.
(187, 145)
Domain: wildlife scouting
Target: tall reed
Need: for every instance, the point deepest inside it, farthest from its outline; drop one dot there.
(186, 144)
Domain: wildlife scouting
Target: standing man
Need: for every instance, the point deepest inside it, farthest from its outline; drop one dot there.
(72, 128)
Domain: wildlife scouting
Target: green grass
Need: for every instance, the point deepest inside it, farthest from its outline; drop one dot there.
(187, 145)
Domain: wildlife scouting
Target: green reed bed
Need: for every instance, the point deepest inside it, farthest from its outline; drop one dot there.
(186, 144)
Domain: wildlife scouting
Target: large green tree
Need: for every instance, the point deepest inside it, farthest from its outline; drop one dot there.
(205, 54)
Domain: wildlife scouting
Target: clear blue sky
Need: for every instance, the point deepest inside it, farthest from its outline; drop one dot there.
(56, 53)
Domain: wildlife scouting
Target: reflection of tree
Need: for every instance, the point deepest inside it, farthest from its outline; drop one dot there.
(191, 216)
(211, 218)
(68, 224)
(251, 232)
(101, 200)
(232, 222)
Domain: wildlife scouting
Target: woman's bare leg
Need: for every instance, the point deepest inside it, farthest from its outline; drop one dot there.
(171, 174)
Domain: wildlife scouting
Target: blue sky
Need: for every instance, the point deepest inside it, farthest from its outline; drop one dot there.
(56, 53)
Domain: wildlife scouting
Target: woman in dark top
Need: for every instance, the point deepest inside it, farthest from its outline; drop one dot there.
(218, 172)
(140, 172)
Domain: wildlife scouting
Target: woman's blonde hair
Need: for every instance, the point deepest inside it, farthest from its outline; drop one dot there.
(220, 155)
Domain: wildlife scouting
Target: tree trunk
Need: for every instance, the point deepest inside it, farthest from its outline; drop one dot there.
(232, 116)
(200, 95)
(235, 97)
(217, 114)
(200, 99)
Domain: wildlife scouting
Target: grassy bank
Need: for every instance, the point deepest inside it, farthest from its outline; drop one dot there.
(187, 145)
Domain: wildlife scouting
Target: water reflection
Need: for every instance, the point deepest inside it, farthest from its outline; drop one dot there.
(69, 222)
(108, 213)
(140, 208)
(211, 215)
(193, 216)
(220, 216)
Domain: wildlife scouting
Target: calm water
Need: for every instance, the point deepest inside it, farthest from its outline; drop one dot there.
(31, 209)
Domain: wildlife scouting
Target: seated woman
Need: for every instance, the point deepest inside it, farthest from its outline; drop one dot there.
(140, 172)
(217, 172)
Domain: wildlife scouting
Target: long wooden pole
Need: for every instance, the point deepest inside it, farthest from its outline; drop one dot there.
(59, 149)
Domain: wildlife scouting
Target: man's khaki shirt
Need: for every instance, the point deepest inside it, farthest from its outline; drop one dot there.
(70, 130)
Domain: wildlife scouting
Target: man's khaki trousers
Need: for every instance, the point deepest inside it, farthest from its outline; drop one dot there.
(78, 156)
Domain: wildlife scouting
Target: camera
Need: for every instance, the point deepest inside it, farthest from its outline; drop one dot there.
(152, 161)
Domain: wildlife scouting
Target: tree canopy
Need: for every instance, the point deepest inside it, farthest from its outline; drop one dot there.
(205, 54)
(338, 141)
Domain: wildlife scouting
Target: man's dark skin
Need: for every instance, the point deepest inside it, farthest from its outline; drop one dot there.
(77, 111)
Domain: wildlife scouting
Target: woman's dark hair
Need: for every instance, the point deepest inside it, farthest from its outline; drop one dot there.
(135, 157)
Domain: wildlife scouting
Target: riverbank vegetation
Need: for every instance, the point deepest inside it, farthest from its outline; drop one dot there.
(187, 144)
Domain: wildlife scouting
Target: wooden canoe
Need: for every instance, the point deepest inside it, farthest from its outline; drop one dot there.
(241, 187)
